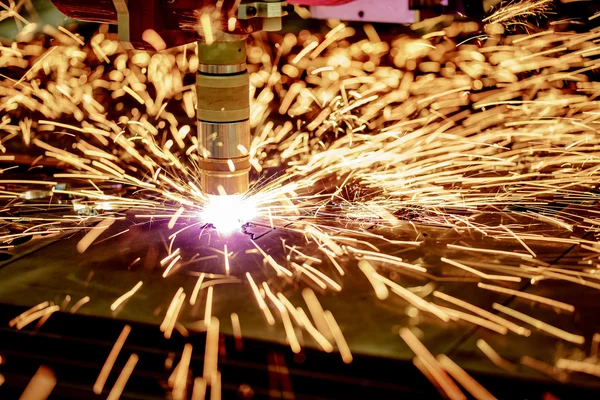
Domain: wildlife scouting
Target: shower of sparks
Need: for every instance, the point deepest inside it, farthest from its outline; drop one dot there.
(491, 135)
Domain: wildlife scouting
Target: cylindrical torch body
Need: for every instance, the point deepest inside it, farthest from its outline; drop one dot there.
(223, 111)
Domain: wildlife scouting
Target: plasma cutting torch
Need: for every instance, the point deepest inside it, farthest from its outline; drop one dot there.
(222, 83)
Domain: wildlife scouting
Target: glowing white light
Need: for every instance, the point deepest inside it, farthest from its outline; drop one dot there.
(228, 213)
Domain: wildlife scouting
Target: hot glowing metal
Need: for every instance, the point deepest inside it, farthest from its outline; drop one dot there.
(229, 213)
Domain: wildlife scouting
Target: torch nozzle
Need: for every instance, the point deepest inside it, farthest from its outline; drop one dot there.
(225, 165)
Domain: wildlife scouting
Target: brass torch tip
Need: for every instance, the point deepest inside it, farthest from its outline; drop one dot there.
(225, 165)
(225, 183)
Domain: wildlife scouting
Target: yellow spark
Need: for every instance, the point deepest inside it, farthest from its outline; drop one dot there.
(174, 316)
(481, 274)
(528, 296)
(41, 384)
(231, 22)
(540, 325)
(27, 313)
(179, 389)
(171, 265)
(93, 234)
(170, 257)
(578, 366)
(126, 296)
(338, 336)
(311, 46)
(110, 360)
(413, 298)
(175, 217)
(199, 390)
(35, 315)
(433, 366)
(211, 353)
(79, 303)
(491, 251)
(544, 368)
(483, 313)
(237, 331)
(476, 320)
(495, 357)
(465, 380)
(126, 372)
(318, 336)
(261, 302)
(196, 290)
(287, 323)
(208, 307)
(133, 94)
(519, 240)
(171, 310)
(381, 290)
(226, 255)
(206, 24)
